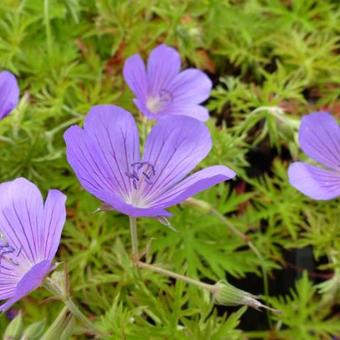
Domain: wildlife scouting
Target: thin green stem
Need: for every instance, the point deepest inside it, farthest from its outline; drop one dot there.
(252, 247)
(7, 140)
(176, 276)
(77, 313)
(144, 127)
(54, 287)
(206, 206)
(48, 27)
(244, 237)
(134, 236)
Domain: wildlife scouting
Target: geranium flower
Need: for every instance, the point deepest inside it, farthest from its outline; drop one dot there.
(319, 138)
(161, 89)
(30, 236)
(9, 93)
(106, 159)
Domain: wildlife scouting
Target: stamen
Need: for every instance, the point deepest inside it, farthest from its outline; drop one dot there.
(6, 249)
(165, 96)
(141, 171)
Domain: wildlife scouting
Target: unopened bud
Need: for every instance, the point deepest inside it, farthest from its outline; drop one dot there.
(226, 294)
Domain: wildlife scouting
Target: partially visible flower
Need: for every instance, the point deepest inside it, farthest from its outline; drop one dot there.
(106, 159)
(30, 236)
(9, 93)
(319, 138)
(162, 89)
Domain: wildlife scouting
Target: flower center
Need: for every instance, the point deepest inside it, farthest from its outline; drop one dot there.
(141, 176)
(156, 103)
(141, 172)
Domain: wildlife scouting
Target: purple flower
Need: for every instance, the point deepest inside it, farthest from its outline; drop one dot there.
(106, 159)
(9, 93)
(161, 89)
(319, 138)
(30, 236)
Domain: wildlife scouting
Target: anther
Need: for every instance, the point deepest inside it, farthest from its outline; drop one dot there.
(6, 249)
(141, 171)
(165, 96)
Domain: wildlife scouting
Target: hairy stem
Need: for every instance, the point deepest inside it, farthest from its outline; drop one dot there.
(245, 238)
(176, 276)
(77, 313)
(58, 289)
(134, 236)
(160, 270)
(250, 245)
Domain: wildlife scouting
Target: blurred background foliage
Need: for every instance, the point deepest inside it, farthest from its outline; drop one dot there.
(271, 61)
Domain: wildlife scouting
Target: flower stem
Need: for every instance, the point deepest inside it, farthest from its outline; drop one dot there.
(57, 285)
(134, 236)
(176, 276)
(77, 313)
(222, 292)
(208, 208)
(234, 230)
(251, 246)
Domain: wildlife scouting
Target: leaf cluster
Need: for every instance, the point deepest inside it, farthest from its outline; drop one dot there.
(271, 62)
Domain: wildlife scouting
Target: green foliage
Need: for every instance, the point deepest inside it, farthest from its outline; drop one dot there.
(272, 62)
(305, 316)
